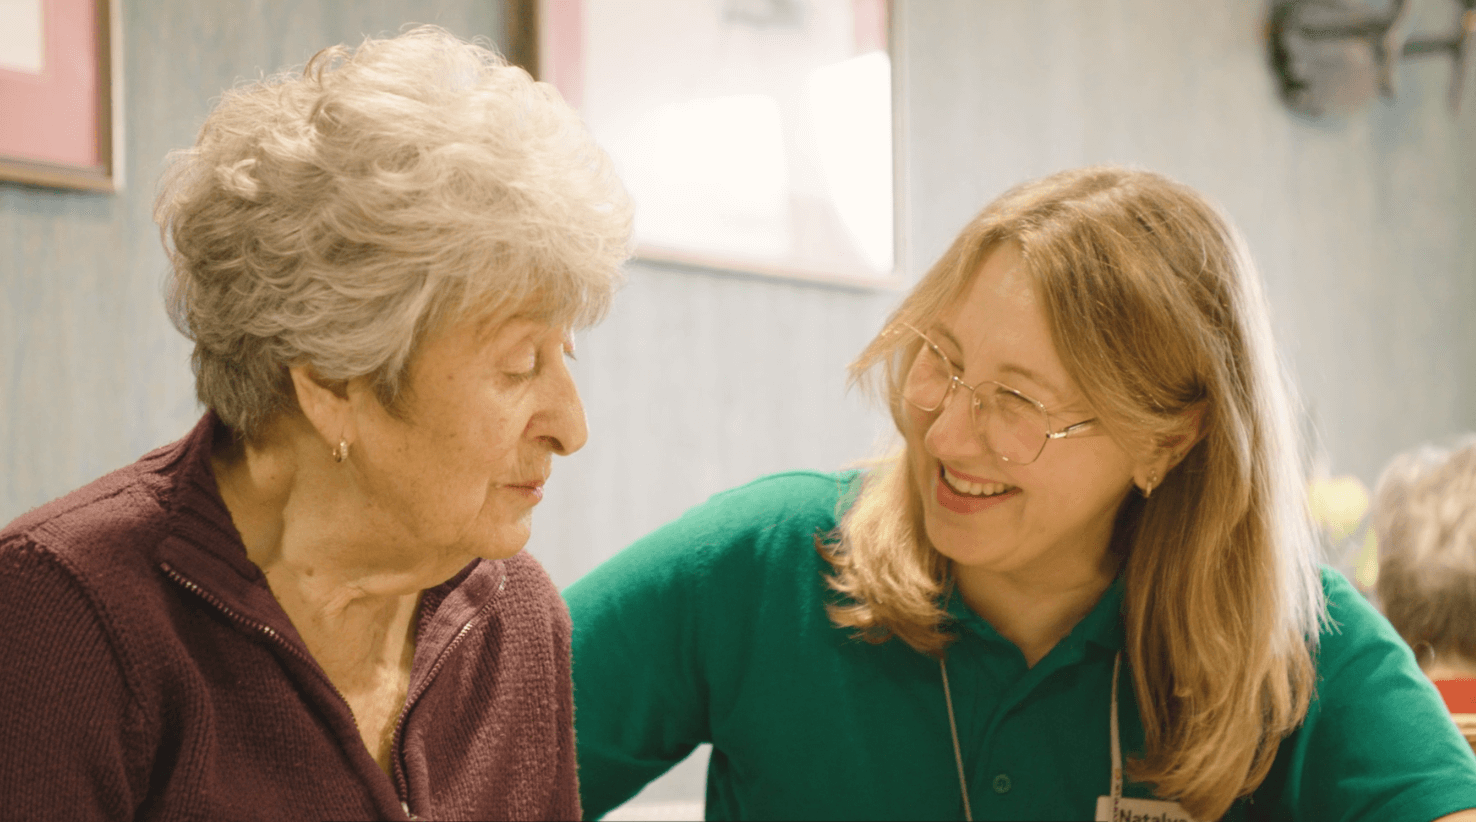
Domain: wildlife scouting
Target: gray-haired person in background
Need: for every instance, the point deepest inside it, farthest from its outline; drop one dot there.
(314, 606)
(1425, 517)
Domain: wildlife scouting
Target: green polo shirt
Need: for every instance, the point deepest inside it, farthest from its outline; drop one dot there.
(713, 629)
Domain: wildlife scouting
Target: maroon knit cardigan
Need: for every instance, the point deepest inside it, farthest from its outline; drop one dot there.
(146, 672)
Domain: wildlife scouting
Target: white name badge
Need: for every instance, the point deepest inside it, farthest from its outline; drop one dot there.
(1130, 809)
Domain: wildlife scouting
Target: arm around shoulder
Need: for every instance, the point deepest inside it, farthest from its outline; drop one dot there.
(663, 630)
(640, 690)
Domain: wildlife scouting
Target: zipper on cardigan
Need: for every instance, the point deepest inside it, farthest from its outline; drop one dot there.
(395, 742)
(271, 633)
(260, 627)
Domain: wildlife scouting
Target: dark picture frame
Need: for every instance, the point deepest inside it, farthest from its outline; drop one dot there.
(61, 124)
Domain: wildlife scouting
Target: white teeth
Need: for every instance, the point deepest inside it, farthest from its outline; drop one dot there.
(973, 489)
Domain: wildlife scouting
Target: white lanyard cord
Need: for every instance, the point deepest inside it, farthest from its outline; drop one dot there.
(1116, 754)
(963, 784)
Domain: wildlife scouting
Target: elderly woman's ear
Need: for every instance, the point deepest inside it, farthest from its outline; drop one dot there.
(328, 406)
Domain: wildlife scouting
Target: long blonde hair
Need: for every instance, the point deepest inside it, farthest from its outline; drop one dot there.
(1156, 312)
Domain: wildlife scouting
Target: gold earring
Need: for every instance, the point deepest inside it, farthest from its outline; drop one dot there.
(1152, 481)
(341, 452)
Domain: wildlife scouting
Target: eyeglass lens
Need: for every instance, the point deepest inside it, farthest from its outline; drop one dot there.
(1010, 425)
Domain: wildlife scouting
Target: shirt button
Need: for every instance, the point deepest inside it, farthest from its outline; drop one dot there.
(1002, 783)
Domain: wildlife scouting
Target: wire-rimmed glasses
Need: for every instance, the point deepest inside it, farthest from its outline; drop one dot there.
(1012, 425)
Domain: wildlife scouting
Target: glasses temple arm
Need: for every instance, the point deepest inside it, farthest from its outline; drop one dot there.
(1070, 429)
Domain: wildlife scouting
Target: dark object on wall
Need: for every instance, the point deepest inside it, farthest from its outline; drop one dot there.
(1333, 56)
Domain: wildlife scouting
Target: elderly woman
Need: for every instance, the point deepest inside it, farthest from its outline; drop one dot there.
(1085, 588)
(314, 606)
(1425, 518)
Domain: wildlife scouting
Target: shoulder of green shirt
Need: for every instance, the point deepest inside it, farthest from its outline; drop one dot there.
(1350, 616)
(744, 524)
(663, 626)
(794, 499)
(1377, 742)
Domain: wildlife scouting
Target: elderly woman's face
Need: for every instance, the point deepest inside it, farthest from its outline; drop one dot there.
(460, 474)
(986, 512)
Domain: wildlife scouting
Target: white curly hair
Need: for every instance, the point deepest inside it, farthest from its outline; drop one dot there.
(333, 216)
(1424, 516)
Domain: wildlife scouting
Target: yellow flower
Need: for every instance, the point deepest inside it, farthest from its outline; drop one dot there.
(1366, 576)
(1338, 505)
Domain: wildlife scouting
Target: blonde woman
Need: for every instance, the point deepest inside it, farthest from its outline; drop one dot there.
(1085, 588)
(315, 605)
(1425, 517)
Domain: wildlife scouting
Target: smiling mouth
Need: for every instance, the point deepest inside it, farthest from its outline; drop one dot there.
(968, 488)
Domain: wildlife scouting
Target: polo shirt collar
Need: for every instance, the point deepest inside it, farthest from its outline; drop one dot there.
(1102, 626)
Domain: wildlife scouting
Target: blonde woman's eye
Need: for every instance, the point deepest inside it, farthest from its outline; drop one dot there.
(1006, 395)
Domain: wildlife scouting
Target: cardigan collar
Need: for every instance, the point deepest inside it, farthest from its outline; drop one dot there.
(203, 549)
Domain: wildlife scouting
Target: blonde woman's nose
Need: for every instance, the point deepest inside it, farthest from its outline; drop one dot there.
(952, 430)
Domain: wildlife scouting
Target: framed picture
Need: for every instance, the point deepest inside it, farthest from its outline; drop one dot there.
(59, 78)
(753, 135)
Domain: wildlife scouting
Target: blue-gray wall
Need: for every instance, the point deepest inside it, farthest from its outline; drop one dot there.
(1363, 227)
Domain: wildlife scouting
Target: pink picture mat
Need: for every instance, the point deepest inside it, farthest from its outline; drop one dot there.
(561, 52)
(56, 126)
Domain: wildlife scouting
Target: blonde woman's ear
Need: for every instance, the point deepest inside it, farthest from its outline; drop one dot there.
(1171, 450)
(1192, 430)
